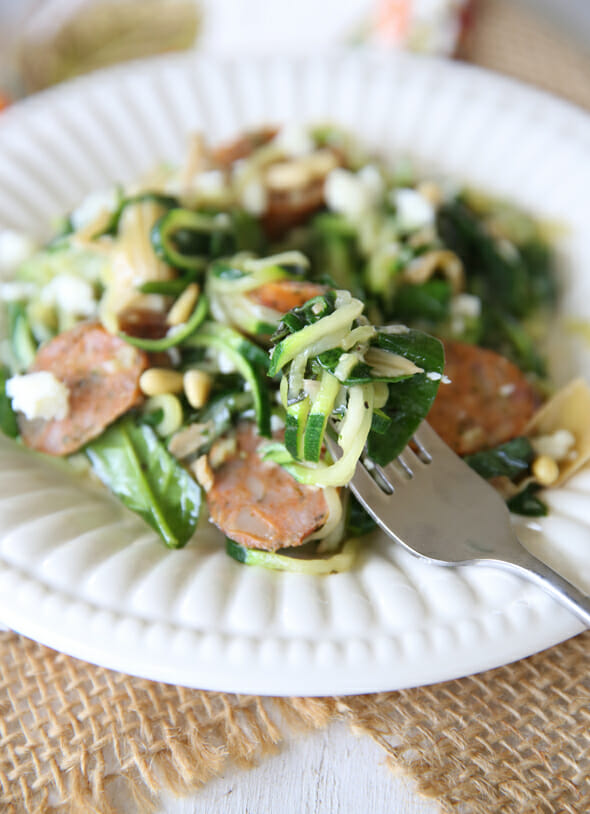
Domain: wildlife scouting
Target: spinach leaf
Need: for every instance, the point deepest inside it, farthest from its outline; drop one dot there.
(510, 459)
(8, 424)
(428, 301)
(501, 279)
(411, 344)
(527, 503)
(358, 522)
(139, 470)
(409, 400)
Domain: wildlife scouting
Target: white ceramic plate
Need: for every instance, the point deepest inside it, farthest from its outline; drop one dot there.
(82, 575)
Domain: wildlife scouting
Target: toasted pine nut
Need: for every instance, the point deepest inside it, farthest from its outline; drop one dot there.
(288, 175)
(203, 472)
(320, 163)
(421, 268)
(431, 191)
(184, 305)
(197, 386)
(545, 470)
(158, 380)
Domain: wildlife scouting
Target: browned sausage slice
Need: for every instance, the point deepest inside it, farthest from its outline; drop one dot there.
(292, 208)
(258, 504)
(487, 402)
(102, 374)
(282, 295)
(225, 155)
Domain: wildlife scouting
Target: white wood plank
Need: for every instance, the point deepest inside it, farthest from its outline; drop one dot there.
(330, 771)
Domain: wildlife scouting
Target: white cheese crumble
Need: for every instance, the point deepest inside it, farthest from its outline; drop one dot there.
(209, 182)
(253, 197)
(557, 445)
(294, 141)
(466, 305)
(372, 180)
(92, 206)
(394, 329)
(350, 193)
(39, 395)
(15, 248)
(276, 423)
(71, 294)
(16, 290)
(462, 308)
(413, 210)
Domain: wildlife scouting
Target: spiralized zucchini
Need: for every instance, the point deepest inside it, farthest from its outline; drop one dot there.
(375, 263)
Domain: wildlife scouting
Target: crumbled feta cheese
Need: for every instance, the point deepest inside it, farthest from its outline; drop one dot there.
(558, 445)
(224, 363)
(462, 308)
(394, 329)
(16, 290)
(413, 210)
(372, 180)
(15, 248)
(349, 193)
(92, 206)
(433, 376)
(71, 294)
(294, 141)
(39, 395)
(507, 389)
(276, 423)
(210, 182)
(466, 305)
(253, 197)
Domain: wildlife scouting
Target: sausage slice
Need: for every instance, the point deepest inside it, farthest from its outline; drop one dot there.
(487, 402)
(282, 295)
(258, 504)
(102, 374)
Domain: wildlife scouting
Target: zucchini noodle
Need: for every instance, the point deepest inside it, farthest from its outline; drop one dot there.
(210, 328)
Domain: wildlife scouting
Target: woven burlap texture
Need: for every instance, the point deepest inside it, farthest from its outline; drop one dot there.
(512, 740)
(510, 37)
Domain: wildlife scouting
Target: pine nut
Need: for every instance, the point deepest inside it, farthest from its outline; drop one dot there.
(184, 305)
(431, 191)
(197, 386)
(320, 163)
(158, 380)
(287, 175)
(545, 470)
(203, 472)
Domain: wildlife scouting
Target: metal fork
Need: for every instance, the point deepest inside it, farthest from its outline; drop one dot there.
(434, 505)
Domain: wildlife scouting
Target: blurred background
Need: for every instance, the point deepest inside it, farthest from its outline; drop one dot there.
(545, 42)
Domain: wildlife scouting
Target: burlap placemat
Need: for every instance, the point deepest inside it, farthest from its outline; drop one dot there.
(512, 740)
(510, 38)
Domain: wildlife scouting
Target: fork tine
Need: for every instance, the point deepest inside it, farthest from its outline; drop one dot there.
(428, 441)
(410, 460)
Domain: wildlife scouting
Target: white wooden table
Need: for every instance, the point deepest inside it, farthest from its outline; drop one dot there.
(325, 772)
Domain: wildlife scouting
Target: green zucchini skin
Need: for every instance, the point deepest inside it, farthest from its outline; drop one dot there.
(250, 361)
(176, 337)
(112, 227)
(22, 341)
(342, 560)
(189, 240)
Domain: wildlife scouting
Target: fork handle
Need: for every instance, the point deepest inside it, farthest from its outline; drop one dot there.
(528, 566)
